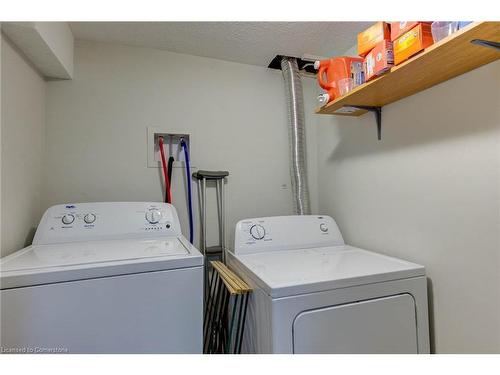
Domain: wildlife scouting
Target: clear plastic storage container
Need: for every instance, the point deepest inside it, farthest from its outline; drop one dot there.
(441, 29)
(345, 85)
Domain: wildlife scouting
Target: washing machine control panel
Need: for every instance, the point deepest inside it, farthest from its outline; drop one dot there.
(89, 218)
(68, 219)
(153, 216)
(106, 220)
(286, 233)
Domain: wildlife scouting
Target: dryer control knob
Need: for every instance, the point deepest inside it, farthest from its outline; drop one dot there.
(323, 227)
(257, 231)
(89, 218)
(68, 219)
(153, 216)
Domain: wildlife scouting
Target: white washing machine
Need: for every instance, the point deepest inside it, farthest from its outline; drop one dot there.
(315, 294)
(104, 278)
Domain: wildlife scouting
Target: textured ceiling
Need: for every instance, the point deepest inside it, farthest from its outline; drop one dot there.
(253, 43)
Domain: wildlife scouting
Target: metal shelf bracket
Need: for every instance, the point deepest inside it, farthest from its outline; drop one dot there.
(486, 43)
(377, 111)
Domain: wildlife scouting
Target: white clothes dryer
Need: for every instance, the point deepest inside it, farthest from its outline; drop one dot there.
(315, 294)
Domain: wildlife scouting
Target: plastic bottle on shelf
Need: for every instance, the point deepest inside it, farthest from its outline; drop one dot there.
(332, 72)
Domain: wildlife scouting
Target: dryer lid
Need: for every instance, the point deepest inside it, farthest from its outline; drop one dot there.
(294, 272)
(41, 264)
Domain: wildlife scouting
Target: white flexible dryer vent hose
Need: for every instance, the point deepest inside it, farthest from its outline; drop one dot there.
(297, 135)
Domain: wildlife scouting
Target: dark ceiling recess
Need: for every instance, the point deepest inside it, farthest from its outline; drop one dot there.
(305, 65)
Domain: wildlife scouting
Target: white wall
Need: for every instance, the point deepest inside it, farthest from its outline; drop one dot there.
(0, 141)
(428, 192)
(235, 113)
(23, 115)
(59, 39)
(47, 45)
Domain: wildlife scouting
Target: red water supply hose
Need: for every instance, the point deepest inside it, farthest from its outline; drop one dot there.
(168, 198)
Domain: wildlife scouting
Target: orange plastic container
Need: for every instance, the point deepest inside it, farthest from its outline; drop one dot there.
(332, 70)
(371, 36)
(401, 27)
(379, 60)
(412, 42)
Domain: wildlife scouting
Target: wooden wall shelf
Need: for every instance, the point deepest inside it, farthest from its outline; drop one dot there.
(446, 59)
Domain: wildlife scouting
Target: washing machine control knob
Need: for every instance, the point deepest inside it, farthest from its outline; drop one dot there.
(68, 219)
(257, 231)
(153, 216)
(323, 227)
(89, 218)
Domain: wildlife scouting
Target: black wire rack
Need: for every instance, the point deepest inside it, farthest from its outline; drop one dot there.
(225, 311)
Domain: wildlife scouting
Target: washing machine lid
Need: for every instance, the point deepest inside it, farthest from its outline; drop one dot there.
(294, 272)
(44, 264)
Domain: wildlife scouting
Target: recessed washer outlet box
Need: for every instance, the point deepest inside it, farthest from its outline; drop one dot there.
(172, 142)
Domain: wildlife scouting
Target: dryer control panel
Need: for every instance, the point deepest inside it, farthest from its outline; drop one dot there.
(286, 233)
(106, 220)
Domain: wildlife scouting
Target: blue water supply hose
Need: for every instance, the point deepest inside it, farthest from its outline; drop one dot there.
(190, 199)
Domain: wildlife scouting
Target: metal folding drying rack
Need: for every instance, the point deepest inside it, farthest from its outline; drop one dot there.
(225, 311)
